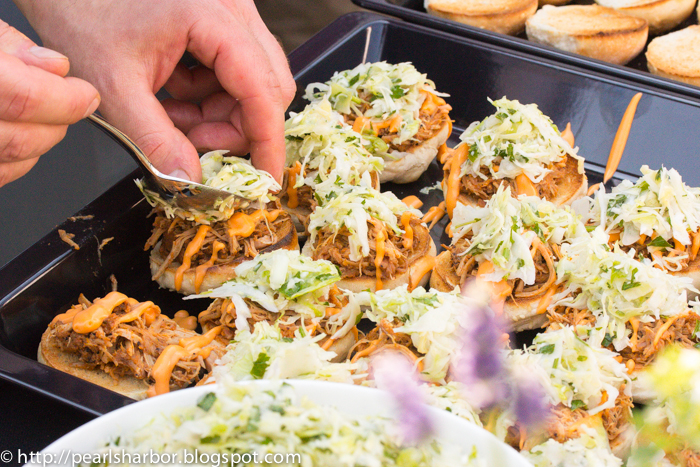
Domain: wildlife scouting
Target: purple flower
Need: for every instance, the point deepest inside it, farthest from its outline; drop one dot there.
(529, 403)
(479, 364)
(396, 375)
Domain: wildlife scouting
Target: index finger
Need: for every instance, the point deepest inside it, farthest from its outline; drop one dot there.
(249, 77)
(30, 94)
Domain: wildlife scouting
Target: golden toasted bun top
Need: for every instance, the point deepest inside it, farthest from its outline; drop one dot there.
(586, 20)
(480, 7)
(631, 3)
(677, 53)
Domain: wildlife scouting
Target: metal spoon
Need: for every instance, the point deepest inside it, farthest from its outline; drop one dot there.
(185, 194)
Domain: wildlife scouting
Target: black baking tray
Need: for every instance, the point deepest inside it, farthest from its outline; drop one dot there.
(48, 277)
(636, 70)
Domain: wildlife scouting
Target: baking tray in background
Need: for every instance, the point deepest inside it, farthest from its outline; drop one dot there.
(48, 277)
(414, 12)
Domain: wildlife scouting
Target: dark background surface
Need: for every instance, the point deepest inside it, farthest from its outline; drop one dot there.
(68, 177)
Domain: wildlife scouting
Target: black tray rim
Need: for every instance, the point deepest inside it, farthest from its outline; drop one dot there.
(524, 45)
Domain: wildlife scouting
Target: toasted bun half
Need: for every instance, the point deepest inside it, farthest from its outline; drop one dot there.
(676, 56)
(572, 186)
(51, 355)
(504, 16)
(590, 30)
(363, 283)
(554, 2)
(662, 15)
(521, 313)
(692, 271)
(215, 275)
(410, 165)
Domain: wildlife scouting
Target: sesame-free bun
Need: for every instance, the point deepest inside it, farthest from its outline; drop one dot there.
(411, 164)
(215, 275)
(590, 30)
(662, 15)
(51, 355)
(522, 313)
(504, 16)
(676, 55)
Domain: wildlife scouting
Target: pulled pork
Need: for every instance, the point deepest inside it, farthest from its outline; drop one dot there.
(223, 311)
(130, 349)
(431, 123)
(543, 255)
(383, 338)
(174, 235)
(563, 174)
(642, 349)
(335, 247)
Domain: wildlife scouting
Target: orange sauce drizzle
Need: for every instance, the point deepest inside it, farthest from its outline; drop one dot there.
(568, 135)
(292, 198)
(381, 237)
(419, 269)
(88, 320)
(148, 309)
(524, 186)
(412, 201)
(623, 132)
(434, 215)
(201, 270)
(458, 158)
(243, 225)
(408, 235)
(192, 248)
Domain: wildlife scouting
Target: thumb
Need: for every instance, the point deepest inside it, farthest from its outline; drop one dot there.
(139, 114)
(14, 43)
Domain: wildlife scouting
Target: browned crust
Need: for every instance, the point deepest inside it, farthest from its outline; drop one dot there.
(510, 20)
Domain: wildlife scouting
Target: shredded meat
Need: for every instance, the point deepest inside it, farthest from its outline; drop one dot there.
(223, 311)
(641, 350)
(174, 235)
(641, 251)
(616, 420)
(466, 266)
(681, 332)
(562, 173)
(689, 458)
(130, 349)
(429, 127)
(335, 247)
(383, 338)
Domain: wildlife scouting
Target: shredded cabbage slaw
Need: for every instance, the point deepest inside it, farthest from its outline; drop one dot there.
(517, 139)
(232, 174)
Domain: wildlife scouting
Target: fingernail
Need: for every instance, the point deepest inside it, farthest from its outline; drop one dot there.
(46, 54)
(179, 173)
(93, 106)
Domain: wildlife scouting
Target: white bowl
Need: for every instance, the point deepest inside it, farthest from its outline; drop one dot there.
(354, 400)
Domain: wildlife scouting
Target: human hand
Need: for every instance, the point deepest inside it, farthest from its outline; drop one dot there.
(37, 102)
(129, 49)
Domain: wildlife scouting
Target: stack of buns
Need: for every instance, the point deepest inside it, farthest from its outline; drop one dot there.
(614, 31)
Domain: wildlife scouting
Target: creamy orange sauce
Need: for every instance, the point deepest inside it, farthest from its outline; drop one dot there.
(664, 328)
(192, 248)
(88, 320)
(147, 309)
(408, 230)
(620, 141)
(292, 196)
(524, 186)
(568, 135)
(442, 151)
(419, 269)
(68, 316)
(201, 270)
(434, 215)
(499, 290)
(165, 364)
(412, 201)
(635, 328)
(243, 225)
(381, 237)
(546, 300)
(453, 179)
(184, 320)
(359, 124)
